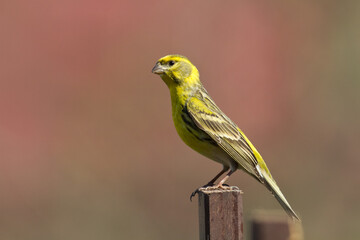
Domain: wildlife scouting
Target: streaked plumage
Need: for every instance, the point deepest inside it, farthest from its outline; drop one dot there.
(207, 130)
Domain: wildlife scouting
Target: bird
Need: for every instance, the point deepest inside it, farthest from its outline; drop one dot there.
(206, 129)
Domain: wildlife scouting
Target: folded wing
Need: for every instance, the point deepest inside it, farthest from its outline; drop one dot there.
(208, 117)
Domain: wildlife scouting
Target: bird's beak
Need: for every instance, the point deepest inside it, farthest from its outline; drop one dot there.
(158, 69)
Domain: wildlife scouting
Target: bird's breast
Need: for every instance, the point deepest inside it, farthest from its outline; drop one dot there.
(194, 137)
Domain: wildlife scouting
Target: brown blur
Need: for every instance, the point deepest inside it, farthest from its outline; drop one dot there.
(87, 145)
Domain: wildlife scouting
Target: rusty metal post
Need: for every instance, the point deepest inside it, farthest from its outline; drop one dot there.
(220, 214)
(273, 226)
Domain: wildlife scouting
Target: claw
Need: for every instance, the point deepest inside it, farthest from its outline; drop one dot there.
(193, 194)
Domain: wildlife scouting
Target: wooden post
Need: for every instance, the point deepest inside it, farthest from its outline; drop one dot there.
(273, 226)
(220, 214)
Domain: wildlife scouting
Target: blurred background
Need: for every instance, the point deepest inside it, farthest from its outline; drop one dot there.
(87, 145)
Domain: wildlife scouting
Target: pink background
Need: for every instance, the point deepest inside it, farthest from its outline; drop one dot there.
(87, 145)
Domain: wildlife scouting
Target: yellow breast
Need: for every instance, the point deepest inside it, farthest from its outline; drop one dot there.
(196, 138)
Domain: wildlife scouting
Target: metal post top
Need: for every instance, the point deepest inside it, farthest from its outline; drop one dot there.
(226, 189)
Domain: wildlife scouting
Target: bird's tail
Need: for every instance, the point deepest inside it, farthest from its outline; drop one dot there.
(275, 190)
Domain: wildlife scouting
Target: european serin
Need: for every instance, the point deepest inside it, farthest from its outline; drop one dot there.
(207, 130)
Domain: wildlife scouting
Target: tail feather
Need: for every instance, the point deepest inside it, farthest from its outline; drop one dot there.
(275, 190)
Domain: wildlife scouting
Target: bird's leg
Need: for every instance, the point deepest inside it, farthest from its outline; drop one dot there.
(211, 183)
(221, 183)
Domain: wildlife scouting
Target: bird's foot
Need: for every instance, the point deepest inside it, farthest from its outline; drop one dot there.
(209, 186)
(216, 187)
(222, 186)
(197, 190)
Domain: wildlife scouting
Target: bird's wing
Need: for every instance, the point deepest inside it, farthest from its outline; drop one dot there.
(208, 117)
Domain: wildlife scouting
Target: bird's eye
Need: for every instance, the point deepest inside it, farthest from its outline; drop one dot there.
(171, 63)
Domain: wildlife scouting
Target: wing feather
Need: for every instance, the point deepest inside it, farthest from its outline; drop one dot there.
(208, 117)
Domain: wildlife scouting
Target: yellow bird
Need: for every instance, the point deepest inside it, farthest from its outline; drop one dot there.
(207, 130)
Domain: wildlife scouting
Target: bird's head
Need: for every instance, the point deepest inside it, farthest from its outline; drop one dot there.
(176, 70)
